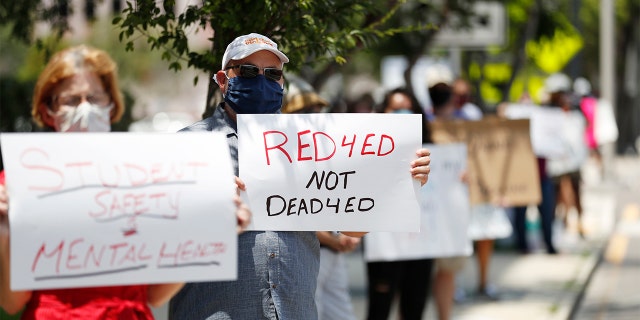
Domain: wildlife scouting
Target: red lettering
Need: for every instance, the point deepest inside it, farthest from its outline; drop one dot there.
(302, 145)
(129, 256)
(114, 248)
(26, 155)
(137, 203)
(142, 257)
(71, 256)
(279, 146)
(352, 143)
(42, 251)
(174, 205)
(98, 202)
(156, 173)
(185, 250)
(382, 138)
(195, 166)
(79, 165)
(136, 179)
(162, 255)
(366, 144)
(315, 142)
(91, 253)
(107, 184)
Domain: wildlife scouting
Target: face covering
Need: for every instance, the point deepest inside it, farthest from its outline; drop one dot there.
(86, 117)
(253, 95)
(402, 111)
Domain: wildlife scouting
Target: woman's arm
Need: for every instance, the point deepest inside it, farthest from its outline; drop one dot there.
(158, 294)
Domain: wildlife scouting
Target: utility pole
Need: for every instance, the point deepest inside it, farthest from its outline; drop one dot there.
(607, 79)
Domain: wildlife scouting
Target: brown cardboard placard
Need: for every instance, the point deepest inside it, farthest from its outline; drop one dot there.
(503, 169)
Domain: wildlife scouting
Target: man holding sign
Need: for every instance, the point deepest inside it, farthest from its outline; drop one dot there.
(277, 270)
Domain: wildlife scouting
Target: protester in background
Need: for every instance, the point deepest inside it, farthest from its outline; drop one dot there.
(78, 92)
(440, 93)
(547, 205)
(462, 100)
(332, 292)
(588, 104)
(465, 109)
(363, 104)
(408, 279)
(277, 270)
(567, 185)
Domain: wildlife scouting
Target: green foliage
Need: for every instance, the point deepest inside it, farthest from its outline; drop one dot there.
(308, 31)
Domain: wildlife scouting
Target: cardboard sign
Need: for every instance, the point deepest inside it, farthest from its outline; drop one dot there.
(344, 172)
(502, 167)
(96, 209)
(445, 210)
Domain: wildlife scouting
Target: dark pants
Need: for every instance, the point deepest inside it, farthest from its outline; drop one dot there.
(546, 210)
(411, 279)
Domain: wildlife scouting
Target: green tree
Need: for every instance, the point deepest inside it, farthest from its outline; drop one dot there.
(311, 32)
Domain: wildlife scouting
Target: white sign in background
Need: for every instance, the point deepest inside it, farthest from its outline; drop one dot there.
(344, 172)
(556, 135)
(94, 209)
(445, 211)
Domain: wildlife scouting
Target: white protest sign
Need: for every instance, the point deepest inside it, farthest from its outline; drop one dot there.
(96, 209)
(544, 126)
(445, 211)
(556, 135)
(348, 172)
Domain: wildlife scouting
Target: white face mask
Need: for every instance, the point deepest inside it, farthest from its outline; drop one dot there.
(86, 117)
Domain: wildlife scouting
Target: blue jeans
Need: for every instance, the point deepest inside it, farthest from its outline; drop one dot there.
(546, 210)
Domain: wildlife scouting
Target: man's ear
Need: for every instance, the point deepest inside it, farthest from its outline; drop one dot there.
(221, 79)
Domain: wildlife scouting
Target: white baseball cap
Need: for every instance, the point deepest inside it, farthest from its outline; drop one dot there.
(246, 45)
(557, 82)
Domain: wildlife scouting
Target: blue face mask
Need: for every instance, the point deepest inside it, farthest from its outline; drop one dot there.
(253, 95)
(402, 111)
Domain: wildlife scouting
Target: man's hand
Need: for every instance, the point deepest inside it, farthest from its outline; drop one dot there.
(243, 214)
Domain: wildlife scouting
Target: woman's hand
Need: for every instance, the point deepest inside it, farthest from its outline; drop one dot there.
(420, 167)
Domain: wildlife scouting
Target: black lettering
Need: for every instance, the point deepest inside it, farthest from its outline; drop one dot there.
(346, 174)
(314, 201)
(292, 204)
(360, 205)
(269, 205)
(336, 206)
(303, 207)
(326, 182)
(314, 176)
(349, 205)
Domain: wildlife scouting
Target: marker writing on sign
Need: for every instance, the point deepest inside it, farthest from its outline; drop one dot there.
(276, 204)
(320, 146)
(123, 190)
(78, 258)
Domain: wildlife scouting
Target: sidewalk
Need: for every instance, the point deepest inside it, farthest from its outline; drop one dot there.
(538, 285)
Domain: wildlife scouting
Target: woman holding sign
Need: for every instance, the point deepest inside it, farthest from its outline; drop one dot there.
(78, 92)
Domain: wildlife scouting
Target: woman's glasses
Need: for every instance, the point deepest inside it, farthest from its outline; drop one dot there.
(251, 71)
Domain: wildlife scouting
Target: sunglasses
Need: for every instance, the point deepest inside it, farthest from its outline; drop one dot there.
(251, 71)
